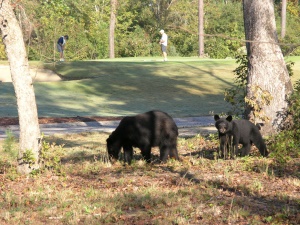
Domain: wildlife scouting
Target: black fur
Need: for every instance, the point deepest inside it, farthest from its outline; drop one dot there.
(235, 132)
(150, 129)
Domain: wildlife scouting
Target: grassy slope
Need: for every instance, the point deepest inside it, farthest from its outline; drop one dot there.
(182, 87)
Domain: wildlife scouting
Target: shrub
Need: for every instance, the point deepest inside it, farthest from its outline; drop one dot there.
(285, 145)
(236, 95)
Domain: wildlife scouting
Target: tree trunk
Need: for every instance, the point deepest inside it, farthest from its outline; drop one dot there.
(113, 7)
(268, 77)
(28, 118)
(201, 27)
(283, 18)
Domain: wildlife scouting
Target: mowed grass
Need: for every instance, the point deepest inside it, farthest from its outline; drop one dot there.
(82, 187)
(182, 87)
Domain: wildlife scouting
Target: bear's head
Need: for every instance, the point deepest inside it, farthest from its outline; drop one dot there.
(113, 145)
(222, 124)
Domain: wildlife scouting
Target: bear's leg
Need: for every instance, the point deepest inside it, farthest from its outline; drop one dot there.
(245, 150)
(174, 153)
(230, 147)
(223, 147)
(167, 151)
(260, 144)
(146, 153)
(235, 146)
(164, 153)
(128, 154)
(262, 149)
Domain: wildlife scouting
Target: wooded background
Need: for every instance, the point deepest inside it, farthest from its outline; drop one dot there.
(137, 27)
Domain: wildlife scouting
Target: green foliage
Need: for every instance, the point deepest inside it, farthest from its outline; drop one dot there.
(138, 23)
(286, 144)
(290, 43)
(236, 94)
(224, 22)
(257, 101)
(136, 43)
(9, 144)
(28, 157)
(50, 156)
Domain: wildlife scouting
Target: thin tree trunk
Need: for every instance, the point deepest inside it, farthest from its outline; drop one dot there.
(113, 7)
(27, 110)
(201, 27)
(283, 18)
(267, 73)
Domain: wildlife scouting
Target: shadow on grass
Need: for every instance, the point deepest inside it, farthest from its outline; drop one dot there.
(125, 88)
(249, 199)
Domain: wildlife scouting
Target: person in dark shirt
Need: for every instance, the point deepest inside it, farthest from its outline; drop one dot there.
(61, 42)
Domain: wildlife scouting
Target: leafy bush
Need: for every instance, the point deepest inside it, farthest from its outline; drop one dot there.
(225, 24)
(50, 156)
(285, 145)
(236, 94)
(134, 44)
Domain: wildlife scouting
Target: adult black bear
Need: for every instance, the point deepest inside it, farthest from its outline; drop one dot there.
(150, 129)
(235, 132)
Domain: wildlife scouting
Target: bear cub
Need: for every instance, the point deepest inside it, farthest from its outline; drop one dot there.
(235, 132)
(150, 129)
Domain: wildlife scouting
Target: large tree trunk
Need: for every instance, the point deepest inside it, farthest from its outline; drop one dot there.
(201, 27)
(27, 110)
(267, 73)
(113, 7)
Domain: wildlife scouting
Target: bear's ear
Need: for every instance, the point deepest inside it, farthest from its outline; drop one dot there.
(229, 118)
(108, 140)
(216, 117)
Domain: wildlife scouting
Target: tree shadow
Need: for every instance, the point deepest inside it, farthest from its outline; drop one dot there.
(127, 88)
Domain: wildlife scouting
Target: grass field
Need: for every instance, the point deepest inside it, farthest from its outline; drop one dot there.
(182, 87)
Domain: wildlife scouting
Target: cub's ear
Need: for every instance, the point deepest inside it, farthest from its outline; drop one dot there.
(216, 117)
(229, 118)
(108, 140)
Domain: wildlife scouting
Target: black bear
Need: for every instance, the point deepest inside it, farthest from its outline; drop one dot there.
(150, 129)
(235, 132)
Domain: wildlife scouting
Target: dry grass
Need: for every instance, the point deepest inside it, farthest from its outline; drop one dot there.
(87, 189)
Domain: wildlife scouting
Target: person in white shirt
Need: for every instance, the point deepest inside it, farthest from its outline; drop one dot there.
(164, 43)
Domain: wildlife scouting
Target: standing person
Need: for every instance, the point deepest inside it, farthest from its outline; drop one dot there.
(164, 42)
(61, 42)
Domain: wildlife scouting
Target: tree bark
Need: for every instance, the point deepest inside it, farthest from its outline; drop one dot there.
(201, 27)
(28, 118)
(267, 72)
(113, 7)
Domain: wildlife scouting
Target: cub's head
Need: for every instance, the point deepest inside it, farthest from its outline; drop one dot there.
(113, 145)
(222, 124)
